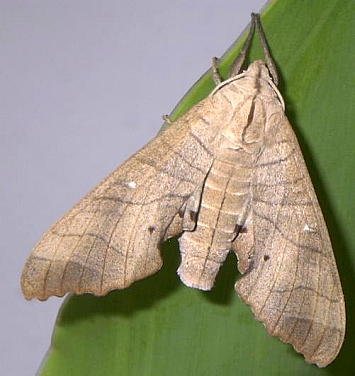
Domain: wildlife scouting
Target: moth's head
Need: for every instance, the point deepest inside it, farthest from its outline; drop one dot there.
(258, 69)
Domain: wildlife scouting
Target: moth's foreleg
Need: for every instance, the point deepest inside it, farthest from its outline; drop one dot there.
(217, 78)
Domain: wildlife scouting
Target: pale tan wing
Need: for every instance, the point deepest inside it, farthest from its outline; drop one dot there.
(291, 280)
(111, 237)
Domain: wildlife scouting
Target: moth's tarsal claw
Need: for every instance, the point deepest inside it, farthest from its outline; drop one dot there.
(167, 119)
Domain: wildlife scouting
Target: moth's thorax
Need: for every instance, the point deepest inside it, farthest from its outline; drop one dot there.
(247, 104)
(254, 81)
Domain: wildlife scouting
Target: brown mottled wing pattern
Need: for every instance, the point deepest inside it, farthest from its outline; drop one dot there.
(111, 237)
(291, 283)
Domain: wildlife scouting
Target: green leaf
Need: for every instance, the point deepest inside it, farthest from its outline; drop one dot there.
(160, 327)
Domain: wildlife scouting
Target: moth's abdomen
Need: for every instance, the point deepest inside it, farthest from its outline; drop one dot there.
(222, 211)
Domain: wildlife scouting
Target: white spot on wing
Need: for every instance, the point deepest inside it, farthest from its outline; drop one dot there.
(131, 184)
(309, 229)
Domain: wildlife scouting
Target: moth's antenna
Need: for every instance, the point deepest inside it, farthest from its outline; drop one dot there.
(238, 62)
(269, 61)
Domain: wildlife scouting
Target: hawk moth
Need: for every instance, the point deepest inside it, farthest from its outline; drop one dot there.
(227, 176)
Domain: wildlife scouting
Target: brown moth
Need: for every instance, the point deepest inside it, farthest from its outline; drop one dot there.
(227, 176)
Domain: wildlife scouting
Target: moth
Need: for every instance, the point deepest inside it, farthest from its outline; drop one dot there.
(227, 176)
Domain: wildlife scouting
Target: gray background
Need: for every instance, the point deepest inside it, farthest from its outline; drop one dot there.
(83, 86)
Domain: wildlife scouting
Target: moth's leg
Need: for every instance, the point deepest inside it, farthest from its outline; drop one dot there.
(186, 218)
(175, 227)
(269, 61)
(238, 62)
(167, 119)
(217, 78)
(191, 209)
